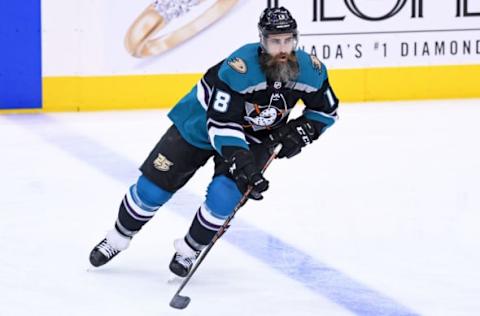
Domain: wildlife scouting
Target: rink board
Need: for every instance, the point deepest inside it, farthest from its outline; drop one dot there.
(351, 85)
(422, 49)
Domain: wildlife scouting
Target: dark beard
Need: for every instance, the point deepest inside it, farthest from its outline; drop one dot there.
(276, 70)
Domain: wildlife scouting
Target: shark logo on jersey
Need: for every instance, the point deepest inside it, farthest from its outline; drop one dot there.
(238, 65)
(266, 116)
(162, 163)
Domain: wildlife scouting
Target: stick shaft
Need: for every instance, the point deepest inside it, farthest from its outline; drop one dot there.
(225, 225)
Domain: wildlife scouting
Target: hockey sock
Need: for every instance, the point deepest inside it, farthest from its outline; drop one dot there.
(204, 226)
(139, 205)
(133, 213)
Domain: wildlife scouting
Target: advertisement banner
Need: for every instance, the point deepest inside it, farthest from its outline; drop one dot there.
(115, 54)
(369, 33)
(105, 37)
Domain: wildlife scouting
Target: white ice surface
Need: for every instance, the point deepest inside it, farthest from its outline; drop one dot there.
(387, 202)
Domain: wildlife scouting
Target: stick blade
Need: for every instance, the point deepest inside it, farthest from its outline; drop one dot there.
(180, 302)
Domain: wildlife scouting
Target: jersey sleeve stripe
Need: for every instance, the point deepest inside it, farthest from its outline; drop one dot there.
(203, 94)
(304, 87)
(212, 123)
(214, 131)
(327, 119)
(257, 87)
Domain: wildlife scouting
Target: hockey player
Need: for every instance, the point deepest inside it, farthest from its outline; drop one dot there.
(236, 114)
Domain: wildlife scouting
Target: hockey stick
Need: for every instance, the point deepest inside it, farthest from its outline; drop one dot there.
(180, 302)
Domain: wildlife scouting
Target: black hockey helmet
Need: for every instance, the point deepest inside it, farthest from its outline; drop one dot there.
(276, 21)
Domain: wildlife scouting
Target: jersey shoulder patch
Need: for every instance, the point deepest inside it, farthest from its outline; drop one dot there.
(312, 71)
(316, 63)
(241, 69)
(238, 64)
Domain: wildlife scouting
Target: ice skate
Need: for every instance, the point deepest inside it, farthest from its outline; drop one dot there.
(108, 248)
(183, 259)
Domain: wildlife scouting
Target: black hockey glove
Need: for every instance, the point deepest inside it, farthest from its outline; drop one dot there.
(241, 165)
(295, 135)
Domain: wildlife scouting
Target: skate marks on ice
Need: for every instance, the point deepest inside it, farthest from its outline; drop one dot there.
(301, 267)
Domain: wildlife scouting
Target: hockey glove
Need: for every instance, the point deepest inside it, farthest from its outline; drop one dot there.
(245, 172)
(295, 135)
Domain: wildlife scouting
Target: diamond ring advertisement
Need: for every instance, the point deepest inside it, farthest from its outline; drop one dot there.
(144, 38)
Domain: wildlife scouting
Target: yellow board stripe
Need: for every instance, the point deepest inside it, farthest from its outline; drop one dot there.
(350, 85)
(21, 111)
(406, 83)
(115, 92)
